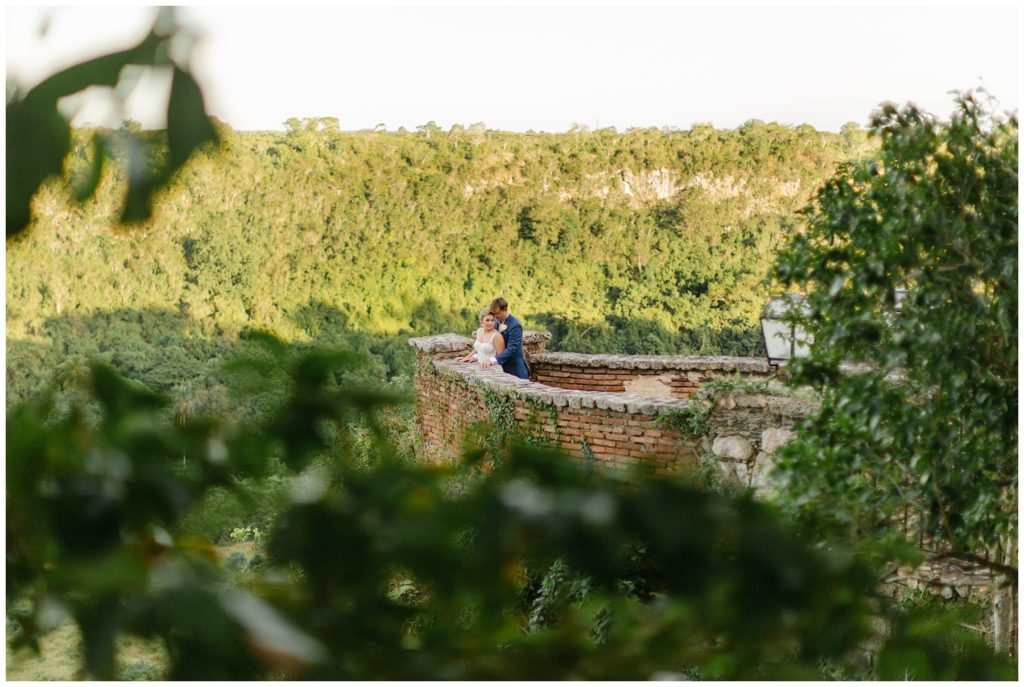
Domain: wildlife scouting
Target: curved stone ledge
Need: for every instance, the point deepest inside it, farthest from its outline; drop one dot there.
(536, 392)
(656, 362)
(455, 343)
(781, 406)
(441, 343)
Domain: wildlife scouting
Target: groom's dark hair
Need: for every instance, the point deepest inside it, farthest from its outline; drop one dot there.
(499, 304)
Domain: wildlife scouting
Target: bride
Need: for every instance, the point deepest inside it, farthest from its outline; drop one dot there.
(488, 344)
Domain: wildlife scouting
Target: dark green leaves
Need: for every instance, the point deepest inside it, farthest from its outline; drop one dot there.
(86, 186)
(385, 571)
(39, 137)
(188, 127)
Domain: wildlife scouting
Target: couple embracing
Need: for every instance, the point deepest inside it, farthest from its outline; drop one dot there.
(499, 341)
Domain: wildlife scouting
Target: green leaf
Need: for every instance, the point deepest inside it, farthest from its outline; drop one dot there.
(87, 186)
(100, 71)
(188, 127)
(38, 139)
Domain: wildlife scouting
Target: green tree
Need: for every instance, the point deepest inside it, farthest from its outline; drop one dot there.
(920, 440)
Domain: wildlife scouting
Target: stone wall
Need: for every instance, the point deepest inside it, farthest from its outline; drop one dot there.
(746, 429)
(454, 345)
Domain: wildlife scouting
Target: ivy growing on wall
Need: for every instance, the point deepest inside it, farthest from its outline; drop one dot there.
(534, 428)
(501, 412)
(690, 421)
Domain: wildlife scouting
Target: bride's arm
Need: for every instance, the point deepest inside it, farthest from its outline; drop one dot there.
(470, 354)
(498, 341)
(476, 338)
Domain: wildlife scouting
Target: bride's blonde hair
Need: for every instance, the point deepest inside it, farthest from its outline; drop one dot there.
(484, 313)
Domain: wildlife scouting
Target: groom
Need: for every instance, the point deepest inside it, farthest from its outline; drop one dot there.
(512, 360)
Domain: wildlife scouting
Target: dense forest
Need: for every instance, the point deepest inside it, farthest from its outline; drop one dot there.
(644, 241)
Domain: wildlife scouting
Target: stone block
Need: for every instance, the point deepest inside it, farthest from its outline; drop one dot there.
(742, 469)
(760, 476)
(774, 437)
(732, 446)
(616, 405)
(726, 470)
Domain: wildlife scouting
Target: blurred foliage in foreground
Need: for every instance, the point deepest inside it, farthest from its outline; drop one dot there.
(513, 565)
(39, 136)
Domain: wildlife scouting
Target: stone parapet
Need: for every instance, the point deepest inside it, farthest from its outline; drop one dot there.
(665, 376)
(791, 407)
(656, 362)
(454, 344)
(525, 389)
(607, 431)
(618, 410)
(441, 343)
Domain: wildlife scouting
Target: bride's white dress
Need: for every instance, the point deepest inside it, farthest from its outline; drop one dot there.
(484, 349)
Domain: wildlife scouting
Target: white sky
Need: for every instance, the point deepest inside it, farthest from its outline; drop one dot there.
(544, 68)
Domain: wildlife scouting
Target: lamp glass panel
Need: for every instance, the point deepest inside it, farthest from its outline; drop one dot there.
(777, 337)
(803, 343)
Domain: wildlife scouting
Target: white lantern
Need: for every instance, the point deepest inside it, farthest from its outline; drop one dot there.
(784, 340)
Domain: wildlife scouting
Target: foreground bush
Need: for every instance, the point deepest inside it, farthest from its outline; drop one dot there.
(512, 565)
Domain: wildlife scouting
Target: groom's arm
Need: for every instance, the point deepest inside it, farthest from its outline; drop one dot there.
(515, 344)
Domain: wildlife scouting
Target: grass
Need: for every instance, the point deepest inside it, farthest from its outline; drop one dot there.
(60, 658)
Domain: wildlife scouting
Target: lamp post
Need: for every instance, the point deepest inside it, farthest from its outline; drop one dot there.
(784, 340)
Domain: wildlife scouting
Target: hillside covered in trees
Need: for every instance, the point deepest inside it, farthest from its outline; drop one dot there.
(647, 241)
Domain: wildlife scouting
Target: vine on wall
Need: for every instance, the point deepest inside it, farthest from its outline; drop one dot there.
(690, 422)
(501, 412)
(533, 429)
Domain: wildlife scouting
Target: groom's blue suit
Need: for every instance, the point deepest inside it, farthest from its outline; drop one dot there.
(512, 359)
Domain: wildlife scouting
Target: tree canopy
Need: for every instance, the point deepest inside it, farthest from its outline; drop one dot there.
(921, 440)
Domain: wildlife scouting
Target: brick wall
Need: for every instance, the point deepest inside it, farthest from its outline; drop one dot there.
(615, 410)
(668, 376)
(614, 431)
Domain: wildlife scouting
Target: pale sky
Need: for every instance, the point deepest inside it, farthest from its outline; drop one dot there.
(545, 68)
